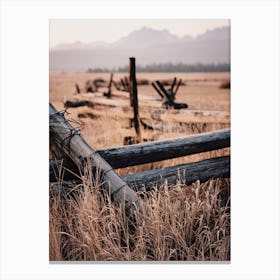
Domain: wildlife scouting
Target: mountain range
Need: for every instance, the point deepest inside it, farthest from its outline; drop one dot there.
(148, 46)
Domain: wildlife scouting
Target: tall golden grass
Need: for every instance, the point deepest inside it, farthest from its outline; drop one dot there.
(181, 222)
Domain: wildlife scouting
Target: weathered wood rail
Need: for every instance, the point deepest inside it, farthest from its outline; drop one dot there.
(185, 173)
(134, 98)
(66, 138)
(122, 100)
(80, 103)
(121, 157)
(148, 152)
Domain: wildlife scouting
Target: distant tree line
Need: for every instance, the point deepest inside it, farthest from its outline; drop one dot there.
(168, 67)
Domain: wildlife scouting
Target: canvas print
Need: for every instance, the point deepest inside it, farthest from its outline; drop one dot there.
(139, 126)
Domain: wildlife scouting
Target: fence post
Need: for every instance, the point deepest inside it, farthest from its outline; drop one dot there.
(109, 93)
(133, 93)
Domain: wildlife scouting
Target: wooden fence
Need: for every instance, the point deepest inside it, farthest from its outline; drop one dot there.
(66, 142)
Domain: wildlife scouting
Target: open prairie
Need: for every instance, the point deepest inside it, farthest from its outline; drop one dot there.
(201, 90)
(181, 222)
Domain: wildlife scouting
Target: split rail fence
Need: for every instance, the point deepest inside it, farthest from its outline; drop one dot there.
(68, 144)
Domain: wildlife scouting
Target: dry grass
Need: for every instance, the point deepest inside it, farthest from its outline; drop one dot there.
(202, 90)
(180, 223)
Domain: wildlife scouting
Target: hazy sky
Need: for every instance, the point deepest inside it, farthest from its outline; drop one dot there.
(110, 30)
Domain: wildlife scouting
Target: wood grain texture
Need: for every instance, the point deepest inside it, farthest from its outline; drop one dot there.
(66, 137)
(185, 173)
(134, 95)
(148, 152)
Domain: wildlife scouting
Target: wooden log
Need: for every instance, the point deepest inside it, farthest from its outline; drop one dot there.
(116, 85)
(170, 98)
(160, 150)
(123, 84)
(130, 87)
(77, 88)
(126, 84)
(157, 90)
(191, 116)
(66, 137)
(185, 173)
(109, 93)
(121, 101)
(79, 103)
(133, 89)
(180, 105)
(173, 85)
(87, 115)
(177, 87)
(164, 92)
(146, 101)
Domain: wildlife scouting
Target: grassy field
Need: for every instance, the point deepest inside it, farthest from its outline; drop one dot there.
(181, 222)
(200, 92)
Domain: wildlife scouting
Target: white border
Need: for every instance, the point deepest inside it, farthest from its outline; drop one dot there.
(255, 138)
